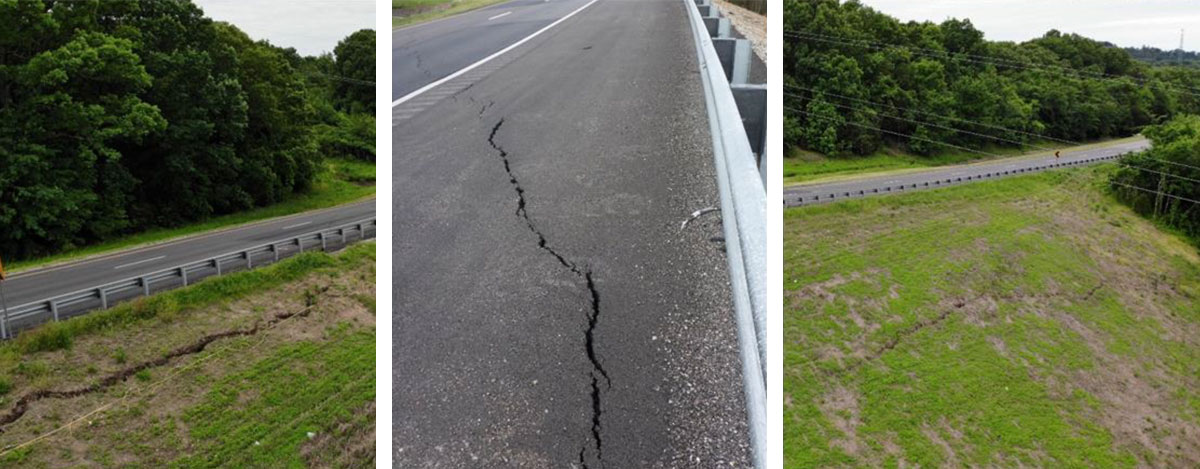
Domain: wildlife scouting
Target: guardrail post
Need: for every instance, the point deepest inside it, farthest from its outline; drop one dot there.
(183, 275)
(145, 286)
(322, 235)
(217, 264)
(103, 298)
(53, 309)
(342, 233)
(275, 252)
(249, 264)
(752, 106)
(300, 244)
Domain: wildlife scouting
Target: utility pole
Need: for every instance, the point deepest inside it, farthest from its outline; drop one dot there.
(1180, 46)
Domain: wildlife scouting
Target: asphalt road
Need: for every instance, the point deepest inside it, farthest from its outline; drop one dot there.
(426, 52)
(549, 311)
(805, 194)
(44, 283)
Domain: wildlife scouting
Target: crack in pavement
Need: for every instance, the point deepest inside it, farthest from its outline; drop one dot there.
(593, 316)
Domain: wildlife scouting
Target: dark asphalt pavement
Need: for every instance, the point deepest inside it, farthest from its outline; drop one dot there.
(548, 310)
(44, 283)
(427, 52)
(804, 194)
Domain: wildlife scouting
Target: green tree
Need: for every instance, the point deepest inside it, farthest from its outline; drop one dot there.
(355, 61)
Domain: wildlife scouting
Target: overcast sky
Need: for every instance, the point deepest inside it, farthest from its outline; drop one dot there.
(310, 26)
(1127, 23)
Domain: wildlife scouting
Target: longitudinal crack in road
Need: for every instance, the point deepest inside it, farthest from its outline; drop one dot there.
(593, 316)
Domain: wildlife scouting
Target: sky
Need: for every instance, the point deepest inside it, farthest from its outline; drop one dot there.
(1126, 23)
(310, 26)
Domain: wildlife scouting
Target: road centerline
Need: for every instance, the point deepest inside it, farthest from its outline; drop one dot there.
(143, 261)
(500, 15)
(489, 58)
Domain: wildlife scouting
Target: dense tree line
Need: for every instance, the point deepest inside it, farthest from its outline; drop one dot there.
(857, 80)
(120, 115)
(1164, 182)
(1156, 56)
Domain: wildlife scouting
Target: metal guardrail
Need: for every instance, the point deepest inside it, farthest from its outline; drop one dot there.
(101, 297)
(949, 181)
(743, 201)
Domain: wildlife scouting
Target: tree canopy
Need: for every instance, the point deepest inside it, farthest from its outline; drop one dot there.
(124, 115)
(856, 80)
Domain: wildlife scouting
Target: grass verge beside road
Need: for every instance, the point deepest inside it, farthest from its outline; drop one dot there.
(296, 394)
(342, 181)
(422, 11)
(803, 167)
(1027, 321)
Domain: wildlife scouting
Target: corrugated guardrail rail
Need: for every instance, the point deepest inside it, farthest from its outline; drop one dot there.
(842, 195)
(101, 297)
(737, 122)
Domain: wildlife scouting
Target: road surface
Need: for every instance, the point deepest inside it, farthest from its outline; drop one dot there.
(44, 283)
(426, 52)
(549, 311)
(805, 194)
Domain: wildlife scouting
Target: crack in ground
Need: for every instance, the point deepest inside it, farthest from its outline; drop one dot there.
(893, 341)
(22, 405)
(593, 316)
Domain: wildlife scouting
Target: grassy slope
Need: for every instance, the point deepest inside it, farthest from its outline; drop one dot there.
(244, 401)
(1031, 320)
(343, 181)
(807, 167)
(437, 9)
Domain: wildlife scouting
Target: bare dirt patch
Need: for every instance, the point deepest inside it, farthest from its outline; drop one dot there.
(95, 428)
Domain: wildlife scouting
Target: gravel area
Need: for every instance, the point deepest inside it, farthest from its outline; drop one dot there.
(750, 24)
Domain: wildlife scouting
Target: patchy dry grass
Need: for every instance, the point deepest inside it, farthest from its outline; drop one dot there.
(1028, 321)
(243, 401)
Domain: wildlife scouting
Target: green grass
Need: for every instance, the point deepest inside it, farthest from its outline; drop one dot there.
(260, 417)
(1019, 321)
(343, 181)
(452, 7)
(806, 167)
(60, 335)
(247, 401)
(399, 4)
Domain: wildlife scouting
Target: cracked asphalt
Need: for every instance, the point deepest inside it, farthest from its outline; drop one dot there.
(548, 310)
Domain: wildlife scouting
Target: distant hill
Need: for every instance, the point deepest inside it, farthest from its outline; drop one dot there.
(1156, 56)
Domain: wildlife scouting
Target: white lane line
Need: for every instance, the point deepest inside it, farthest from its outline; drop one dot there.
(138, 262)
(296, 225)
(500, 15)
(488, 58)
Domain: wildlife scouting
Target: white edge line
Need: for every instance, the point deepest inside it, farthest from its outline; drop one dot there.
(488, 58)
(500, 15)
(122, 266)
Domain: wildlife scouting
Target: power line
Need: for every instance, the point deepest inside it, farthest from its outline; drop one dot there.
(899, 134)
(917, 111)
(341, 78)
(1156, 192)
(1159, 172)
(931, 124)
(991, 61)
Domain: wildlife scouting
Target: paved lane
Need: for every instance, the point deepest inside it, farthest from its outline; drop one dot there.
(549, 312)
(805, 194)
(40, 284)
(424, 53)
